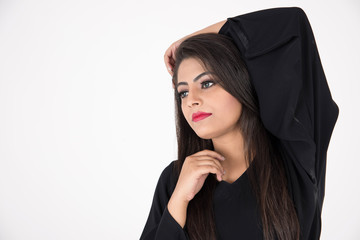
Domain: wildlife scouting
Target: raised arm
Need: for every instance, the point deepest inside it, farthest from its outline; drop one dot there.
(296, 106)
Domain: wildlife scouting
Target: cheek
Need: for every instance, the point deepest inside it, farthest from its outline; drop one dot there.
(231, 108)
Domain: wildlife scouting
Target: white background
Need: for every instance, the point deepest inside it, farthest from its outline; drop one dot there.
(87, 112)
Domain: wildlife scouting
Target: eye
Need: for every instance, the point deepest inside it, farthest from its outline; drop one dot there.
(183, 94)
(204, 85)
(207, 84)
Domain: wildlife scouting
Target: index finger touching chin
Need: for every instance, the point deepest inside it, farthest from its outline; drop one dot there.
(210, 153)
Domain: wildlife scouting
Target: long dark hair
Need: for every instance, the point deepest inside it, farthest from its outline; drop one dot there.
(219, 55)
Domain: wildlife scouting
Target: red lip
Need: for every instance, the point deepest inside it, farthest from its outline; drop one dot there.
(200, 116)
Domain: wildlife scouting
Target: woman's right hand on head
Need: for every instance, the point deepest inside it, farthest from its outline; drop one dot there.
(169, 57)
(195, 170)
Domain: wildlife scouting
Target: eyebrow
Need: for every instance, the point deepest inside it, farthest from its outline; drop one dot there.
(195, 79)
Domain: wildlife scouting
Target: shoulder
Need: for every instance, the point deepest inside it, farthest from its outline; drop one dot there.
(168, 177)
(168, 170)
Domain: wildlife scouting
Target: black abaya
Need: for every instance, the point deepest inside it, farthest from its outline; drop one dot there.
(296, 106)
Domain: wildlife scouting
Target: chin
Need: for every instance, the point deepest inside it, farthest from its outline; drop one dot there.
(205, 134)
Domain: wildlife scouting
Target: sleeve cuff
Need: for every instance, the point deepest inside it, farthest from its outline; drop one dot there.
(169, 228)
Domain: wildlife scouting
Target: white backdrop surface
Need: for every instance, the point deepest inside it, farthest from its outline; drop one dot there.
(87, 112)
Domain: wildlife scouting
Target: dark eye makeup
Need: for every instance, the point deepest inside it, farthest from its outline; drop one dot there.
(204, 85)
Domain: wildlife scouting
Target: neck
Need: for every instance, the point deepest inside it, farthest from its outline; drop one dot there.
(231, 146)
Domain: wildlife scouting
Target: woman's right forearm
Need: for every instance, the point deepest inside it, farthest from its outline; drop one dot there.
(177, 208)
(169, 56)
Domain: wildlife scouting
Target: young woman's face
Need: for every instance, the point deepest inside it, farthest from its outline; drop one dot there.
(199, 93)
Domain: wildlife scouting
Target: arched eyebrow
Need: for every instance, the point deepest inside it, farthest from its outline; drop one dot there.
(195, 79)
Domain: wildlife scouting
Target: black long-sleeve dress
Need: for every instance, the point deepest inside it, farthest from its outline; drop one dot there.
(296, 106)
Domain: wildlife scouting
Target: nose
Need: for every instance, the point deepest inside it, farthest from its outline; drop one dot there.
(193, 99)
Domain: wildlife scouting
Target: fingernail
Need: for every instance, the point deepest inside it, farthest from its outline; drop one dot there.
(222, 157)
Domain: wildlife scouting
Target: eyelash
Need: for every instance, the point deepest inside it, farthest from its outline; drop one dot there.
(202, 84)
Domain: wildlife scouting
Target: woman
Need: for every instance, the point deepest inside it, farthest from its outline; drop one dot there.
(254, 119)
